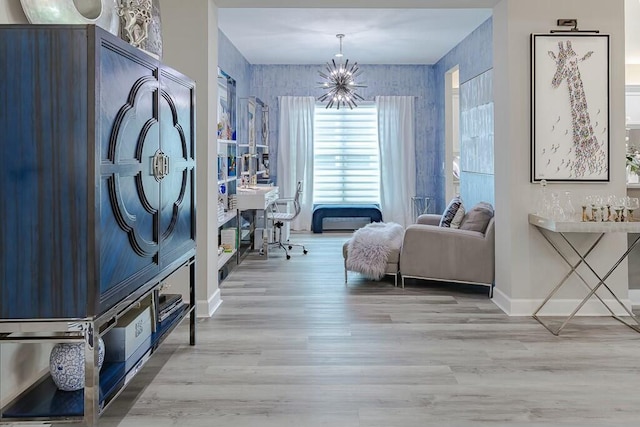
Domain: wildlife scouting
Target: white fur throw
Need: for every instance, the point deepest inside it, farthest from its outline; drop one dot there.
(370, 246)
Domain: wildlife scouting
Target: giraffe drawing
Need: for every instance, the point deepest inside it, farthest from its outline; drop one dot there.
(588, 154)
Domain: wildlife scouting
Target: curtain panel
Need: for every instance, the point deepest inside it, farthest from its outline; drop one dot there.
(396, 138)
(295, 153)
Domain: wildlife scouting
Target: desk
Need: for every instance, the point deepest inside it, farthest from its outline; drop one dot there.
(546, 226)
(257, 198)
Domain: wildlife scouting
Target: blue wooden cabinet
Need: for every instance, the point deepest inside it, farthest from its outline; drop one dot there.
(97, 171)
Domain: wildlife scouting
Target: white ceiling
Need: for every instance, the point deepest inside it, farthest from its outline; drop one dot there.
(372, 36)
(416, 32)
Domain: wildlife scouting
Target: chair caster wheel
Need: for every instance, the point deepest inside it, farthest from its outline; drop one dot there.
(290, 247)
(288, 256)
(305, 251)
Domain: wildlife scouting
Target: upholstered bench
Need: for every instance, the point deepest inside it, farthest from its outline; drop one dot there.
(343, 211)
(393, 263)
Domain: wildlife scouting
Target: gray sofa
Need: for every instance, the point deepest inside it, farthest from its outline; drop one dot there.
(452, 255)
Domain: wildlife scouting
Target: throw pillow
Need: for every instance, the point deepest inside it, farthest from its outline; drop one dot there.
(450, 212)
(477, 218)
(457, 220)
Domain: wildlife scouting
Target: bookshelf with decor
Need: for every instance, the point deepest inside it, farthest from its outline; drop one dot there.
(227, 149)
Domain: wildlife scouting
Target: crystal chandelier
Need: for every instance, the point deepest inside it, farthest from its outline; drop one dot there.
(340, 82)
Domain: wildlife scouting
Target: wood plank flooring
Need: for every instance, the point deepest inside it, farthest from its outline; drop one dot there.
(292, 346)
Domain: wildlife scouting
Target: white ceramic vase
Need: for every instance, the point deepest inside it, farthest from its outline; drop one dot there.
(66, 364)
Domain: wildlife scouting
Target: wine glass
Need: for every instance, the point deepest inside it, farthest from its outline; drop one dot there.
(586, 203)
(611, 202)
(619, 207)
(596, 205)
(633, 203)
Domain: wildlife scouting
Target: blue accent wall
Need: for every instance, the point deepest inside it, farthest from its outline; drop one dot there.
(474, 56)
(268, 82)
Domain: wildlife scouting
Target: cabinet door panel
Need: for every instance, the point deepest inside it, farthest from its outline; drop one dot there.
(129, 192)
(43, 173)
(177, 141)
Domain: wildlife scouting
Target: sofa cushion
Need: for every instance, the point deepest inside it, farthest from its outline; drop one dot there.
(450, 212)
(477, 218)
(457, 219)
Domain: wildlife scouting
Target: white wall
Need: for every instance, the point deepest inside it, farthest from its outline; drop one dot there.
(190, 45)
(526, 267)
(11, 12)
(632, 74)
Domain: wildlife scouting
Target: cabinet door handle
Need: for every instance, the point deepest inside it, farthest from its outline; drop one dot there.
(160, 165)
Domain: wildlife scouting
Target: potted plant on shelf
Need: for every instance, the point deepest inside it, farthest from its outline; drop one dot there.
(633, 166)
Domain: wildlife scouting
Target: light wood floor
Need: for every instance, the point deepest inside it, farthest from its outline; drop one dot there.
(292, 346)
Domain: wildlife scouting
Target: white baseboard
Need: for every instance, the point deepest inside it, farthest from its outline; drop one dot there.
(559, 307)
(634, 296)
(208, 307)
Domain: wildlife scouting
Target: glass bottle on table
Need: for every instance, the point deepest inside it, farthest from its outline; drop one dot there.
(568, 208)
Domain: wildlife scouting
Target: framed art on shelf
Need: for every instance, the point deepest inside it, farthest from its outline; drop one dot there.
(570, 107)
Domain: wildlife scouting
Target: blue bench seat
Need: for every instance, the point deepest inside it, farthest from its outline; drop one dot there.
(320, 212)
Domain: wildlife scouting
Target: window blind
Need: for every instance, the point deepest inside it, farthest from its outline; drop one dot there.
(345, 155)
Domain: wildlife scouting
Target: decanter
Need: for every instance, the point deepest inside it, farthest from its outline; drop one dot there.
(543, 203)
(556, 212)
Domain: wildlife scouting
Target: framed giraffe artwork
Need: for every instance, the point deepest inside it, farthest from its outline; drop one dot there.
(570, 107)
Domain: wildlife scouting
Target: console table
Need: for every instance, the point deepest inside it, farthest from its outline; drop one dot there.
(547, 226)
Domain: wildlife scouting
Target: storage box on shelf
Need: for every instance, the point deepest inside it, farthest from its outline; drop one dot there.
(101, 174)
(132, 331)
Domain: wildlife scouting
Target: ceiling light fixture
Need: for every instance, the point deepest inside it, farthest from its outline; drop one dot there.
(340, 82)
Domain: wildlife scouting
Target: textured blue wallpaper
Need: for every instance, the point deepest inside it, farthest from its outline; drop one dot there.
(268, 82)
(474, 56)
(231, 61)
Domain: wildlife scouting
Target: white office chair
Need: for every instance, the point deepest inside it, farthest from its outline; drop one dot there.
(279, 213)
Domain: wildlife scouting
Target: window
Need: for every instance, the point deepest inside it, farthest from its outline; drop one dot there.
(346, 165)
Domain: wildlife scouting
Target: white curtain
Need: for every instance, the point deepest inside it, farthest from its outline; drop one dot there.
(396, 136)
(295, 153)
